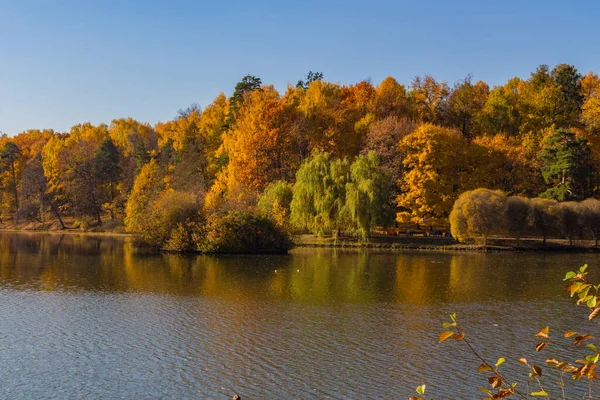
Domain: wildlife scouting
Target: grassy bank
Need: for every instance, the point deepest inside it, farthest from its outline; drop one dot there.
(446, 244)
(108, 227)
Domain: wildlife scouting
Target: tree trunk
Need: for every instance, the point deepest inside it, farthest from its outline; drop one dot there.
(14, 177)
(112, 199)
(55, 210)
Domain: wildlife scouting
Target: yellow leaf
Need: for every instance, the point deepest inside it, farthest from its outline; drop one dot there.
(445, 335)
(484, 367)
(543, 333)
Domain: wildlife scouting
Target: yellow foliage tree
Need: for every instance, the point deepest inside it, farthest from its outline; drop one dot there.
(440, 164)
(259, 148)
(590, 112)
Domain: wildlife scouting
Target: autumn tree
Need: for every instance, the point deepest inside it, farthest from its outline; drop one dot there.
(259, 148)
(538, 100)
(569, 215)
(590, 216)
(383, 138)
(191, 109)
(246, 85)
(136, 142)
(310, 77)
(590, 108)
(516, 164)
(551, 98)
(332, 116)
(147, 187)
(430, 97)
(108, 171)
(544, 219)
(464, 107)
(478, 213)
(9, 157)
(212, 125)
(170, 221)
(440, 164)
(517, 216)
(501, 112)
(393, 100)
(37, 199)
(69, 164)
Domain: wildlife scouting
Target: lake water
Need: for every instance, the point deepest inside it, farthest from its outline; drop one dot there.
(90, 317)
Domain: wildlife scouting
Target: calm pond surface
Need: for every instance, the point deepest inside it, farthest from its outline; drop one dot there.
(90, 317)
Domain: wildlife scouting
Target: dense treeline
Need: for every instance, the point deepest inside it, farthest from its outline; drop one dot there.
(320, 156)
(479, 213)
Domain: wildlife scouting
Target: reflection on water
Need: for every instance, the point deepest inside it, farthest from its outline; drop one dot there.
(92, 316)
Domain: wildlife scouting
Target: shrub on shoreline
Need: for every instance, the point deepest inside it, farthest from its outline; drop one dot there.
(240, 232)
(479, 213)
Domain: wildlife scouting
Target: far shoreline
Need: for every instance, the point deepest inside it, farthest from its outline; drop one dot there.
(382, 242)
(419, 243)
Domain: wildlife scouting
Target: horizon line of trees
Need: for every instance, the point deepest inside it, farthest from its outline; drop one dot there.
(480, 213)
(419, 147)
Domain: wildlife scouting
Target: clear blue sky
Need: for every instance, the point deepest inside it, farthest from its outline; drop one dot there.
(66, 62)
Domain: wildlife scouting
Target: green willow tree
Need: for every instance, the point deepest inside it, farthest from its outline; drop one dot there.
(275, 202)
(368, 195)
(319, 194)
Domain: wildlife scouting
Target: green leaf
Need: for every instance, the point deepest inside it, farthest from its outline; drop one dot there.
(500, 361)
(421, 389)
(486, 391)
(453, 317)
(540, 393)
(448, 324)
(592, 346)
(583, 268)
(593, 359)
(569, 275)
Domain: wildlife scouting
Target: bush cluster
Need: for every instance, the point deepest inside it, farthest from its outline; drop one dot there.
(168, 221)
(240, 232)
(479, 213)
